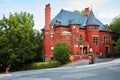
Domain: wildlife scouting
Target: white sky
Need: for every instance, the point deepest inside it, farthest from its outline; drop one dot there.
(104, 10)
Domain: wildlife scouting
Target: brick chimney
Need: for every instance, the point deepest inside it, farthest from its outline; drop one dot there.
(106, 27)
(87, 11)
(47, 16)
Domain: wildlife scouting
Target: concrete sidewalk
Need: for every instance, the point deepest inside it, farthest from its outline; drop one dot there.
(4, 75)
(100, 60)
(78, 63)
(86, 62)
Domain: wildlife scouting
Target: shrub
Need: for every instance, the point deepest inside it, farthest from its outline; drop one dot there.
(61, 52)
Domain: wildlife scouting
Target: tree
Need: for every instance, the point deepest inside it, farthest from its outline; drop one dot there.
(77, 11)
(117, 43)
(16, 46)
(37, 41)
(115, 27)
(61, 52)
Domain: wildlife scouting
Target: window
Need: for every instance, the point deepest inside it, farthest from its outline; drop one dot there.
(106, 39)
(67, 37)
(81, 37)
(52, 37)
(95, 40)
(75, 42)
(95, 28)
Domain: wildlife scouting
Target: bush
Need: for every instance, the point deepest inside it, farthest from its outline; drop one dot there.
(37, 65)
(61, 52)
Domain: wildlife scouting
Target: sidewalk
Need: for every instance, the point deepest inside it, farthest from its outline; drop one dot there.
(4, 75)
(86, 62)
(100, 60)
(78, 63)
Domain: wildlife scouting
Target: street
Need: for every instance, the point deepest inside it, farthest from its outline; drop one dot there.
(100, 71)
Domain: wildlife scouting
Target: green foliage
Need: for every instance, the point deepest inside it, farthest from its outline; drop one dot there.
(61, 52)
(115, 27)
(16, 34)
(117, 43)
(77, 11)
(41, 65)
(38, 65)
(37, 41)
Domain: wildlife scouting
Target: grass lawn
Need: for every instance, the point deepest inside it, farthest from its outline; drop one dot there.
(41, 65)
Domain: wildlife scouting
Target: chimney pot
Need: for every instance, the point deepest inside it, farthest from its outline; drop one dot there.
(87, 11)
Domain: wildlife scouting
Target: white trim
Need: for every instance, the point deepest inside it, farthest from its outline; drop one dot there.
(66, 32)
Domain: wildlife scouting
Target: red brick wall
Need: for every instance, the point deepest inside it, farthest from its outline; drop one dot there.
(75, 30)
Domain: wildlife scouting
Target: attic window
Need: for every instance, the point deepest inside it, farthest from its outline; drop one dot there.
(58, 22)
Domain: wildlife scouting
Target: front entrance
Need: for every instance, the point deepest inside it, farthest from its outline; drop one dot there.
(85, 50)
(107, 50)
(84, 47)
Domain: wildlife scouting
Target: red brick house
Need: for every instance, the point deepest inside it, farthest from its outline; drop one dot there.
(83, 33)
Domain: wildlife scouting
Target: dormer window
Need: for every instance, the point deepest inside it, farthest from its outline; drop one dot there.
(58, 23)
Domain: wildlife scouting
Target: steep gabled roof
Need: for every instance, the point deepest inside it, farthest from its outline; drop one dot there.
(91, 20)
(66, 18)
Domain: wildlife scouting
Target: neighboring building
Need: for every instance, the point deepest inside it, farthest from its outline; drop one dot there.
(83, 33)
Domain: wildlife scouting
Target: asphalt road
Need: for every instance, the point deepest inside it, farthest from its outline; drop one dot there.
(100, 71)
